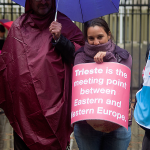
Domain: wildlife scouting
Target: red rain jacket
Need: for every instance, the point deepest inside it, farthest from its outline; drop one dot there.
(35, 84)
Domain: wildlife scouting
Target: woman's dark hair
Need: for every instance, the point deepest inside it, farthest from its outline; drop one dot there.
(96, 22)
(2, 29)
(147, 52)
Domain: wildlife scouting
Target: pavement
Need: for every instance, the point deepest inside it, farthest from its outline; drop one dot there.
(6, 134)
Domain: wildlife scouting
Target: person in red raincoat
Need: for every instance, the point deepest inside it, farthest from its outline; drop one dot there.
(35, 76)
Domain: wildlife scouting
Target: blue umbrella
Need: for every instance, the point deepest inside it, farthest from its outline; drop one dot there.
(84, 10)
(20, 2)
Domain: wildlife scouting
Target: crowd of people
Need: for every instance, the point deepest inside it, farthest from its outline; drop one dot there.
(36, 79)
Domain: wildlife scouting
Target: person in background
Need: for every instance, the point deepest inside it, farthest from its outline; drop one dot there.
(2, 32)
(100, 48)
(146, 139)
(36, 75)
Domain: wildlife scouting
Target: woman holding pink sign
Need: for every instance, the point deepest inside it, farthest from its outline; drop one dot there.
(100, 48)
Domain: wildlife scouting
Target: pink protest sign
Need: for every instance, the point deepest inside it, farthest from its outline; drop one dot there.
(101, 92)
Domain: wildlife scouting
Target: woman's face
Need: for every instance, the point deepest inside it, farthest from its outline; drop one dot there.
(96, 35)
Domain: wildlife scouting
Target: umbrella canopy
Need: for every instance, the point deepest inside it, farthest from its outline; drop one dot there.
(20, 2)
(84, 10)
(6, 23)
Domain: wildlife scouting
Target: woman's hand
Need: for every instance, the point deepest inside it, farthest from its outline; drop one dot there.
(98, 58)
(55, 29)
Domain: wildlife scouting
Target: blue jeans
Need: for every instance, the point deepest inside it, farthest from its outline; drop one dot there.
(89, 139)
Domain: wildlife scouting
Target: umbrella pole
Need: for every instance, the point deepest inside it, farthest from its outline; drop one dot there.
(55, 16)
(56, 11)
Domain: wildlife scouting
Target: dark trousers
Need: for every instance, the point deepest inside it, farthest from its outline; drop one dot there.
(146, 140)
(19, 143)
